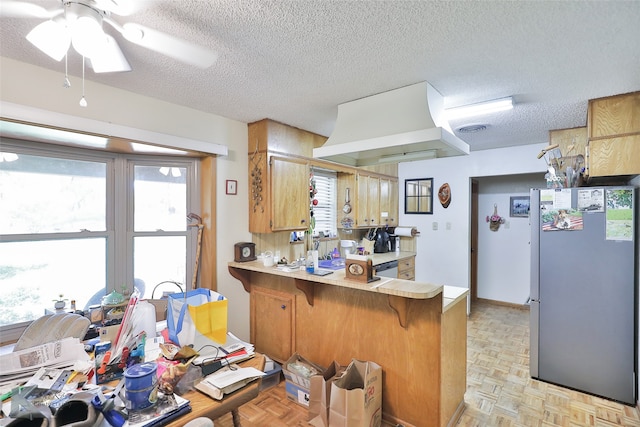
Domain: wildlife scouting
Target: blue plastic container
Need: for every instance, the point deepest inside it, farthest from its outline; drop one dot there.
(140, 383)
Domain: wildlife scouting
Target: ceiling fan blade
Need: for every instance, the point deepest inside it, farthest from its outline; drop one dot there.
(119, 7)
(110, 59)
(170, 46)
(19, 9)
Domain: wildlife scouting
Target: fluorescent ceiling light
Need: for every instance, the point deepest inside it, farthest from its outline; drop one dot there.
(146, 148)
(407, 157)
(480, 108)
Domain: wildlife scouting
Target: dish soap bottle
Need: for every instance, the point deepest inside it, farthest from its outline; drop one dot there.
(335, 254)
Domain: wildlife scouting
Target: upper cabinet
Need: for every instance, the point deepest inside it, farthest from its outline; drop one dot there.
(389, 202)
(613, 128)
(368, 208)
(279, 165)
(279, 176)
(289, 194)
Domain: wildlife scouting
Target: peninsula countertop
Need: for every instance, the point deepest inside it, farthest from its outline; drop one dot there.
(397, 287)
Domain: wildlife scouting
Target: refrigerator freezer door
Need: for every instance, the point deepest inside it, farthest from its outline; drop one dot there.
(586, 319)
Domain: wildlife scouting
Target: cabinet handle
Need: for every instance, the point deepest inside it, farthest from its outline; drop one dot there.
(284, 307)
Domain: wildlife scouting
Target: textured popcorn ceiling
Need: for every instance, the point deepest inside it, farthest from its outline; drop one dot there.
(295, 61)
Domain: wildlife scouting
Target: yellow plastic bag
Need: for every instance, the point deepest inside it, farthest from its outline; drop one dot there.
(197, 318)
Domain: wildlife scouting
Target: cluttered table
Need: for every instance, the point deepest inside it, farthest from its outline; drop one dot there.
(203, 406)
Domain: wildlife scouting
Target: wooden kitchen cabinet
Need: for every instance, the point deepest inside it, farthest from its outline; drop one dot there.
(289, 194)
(368, 208)
(388, 202)
(278, 182)
(407, 268)
(273, 316)
(613, 127)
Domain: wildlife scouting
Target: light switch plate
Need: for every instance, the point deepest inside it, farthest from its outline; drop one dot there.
(434, 225)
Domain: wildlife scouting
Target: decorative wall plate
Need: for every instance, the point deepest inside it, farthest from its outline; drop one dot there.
(444, 195)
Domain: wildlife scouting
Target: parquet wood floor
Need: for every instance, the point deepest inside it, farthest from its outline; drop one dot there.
(500, 391)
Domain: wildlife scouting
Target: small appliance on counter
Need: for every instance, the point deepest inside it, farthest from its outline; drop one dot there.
(381, 244)
(394, 243)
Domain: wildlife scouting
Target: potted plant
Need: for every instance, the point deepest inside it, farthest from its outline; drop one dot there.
(59, 303)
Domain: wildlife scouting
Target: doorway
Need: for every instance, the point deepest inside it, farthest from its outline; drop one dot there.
(473, 280)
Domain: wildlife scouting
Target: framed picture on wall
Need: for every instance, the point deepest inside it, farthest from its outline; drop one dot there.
(519, 206)
(232, 186)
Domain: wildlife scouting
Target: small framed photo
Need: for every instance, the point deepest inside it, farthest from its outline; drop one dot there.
(519, 206)
(232, 186)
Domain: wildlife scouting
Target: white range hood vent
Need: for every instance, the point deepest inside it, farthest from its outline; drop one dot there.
(400, 125)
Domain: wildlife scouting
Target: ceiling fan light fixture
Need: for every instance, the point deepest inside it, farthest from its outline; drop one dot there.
(480, 108)
(52, 38)
(110, 58)
(87, 36)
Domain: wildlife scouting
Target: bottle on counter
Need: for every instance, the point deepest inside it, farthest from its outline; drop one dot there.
(335, 254)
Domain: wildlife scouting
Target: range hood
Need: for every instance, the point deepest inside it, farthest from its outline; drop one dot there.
(399, 125)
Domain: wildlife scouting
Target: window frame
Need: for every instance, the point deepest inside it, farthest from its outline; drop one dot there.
(119, 233)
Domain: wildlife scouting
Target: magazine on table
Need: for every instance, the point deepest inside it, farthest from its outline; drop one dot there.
(166, 407)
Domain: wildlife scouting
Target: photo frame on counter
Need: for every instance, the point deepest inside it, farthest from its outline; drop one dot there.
(418, 196)
(232, 186)
(519, 206)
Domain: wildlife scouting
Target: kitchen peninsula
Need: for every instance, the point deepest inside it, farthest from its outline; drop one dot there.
(416, 331)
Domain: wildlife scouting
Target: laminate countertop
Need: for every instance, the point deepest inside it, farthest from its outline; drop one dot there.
(397, 287)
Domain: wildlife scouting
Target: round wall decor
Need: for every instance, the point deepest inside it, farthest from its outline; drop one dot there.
(444, 195)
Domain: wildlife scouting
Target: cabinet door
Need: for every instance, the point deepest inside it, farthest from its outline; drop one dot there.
(290, 194)
(272, 322)
(393, 203)
(362, 215)
(373, 201)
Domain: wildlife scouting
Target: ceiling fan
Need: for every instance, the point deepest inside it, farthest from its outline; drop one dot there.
(78, 23)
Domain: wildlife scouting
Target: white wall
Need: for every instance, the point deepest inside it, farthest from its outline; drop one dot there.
(42, 89)
(443, 255)
(504, 257)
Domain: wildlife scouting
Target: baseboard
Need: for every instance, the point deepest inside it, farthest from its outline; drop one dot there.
(502, 303)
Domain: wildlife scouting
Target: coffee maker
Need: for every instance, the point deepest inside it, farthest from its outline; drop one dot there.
(381, 244)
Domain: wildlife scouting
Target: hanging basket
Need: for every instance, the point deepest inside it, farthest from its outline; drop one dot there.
(495, 220)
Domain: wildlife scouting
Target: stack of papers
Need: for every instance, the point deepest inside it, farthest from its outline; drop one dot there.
(23, 364)
(233, 351)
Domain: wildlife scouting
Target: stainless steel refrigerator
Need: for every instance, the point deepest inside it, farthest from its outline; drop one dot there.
(583, 289)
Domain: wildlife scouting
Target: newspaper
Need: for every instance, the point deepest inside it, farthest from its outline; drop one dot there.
(25, 363)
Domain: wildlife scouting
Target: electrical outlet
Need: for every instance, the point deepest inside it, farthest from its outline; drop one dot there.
(448, 226)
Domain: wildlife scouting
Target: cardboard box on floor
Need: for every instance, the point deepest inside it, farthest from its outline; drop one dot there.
(297, 373)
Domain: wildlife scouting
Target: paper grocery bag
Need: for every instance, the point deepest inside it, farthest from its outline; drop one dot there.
(319, 394)
(356, 397)
(197, 317)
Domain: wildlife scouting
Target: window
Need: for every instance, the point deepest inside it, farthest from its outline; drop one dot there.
(418, 196)
(325, 211)
(83, 223)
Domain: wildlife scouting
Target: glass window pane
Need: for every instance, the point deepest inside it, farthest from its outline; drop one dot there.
(160, 198)
(412, 204)
(412, 189)
(424, 204)
(157, 259)
(50, 195)
(33, 274)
